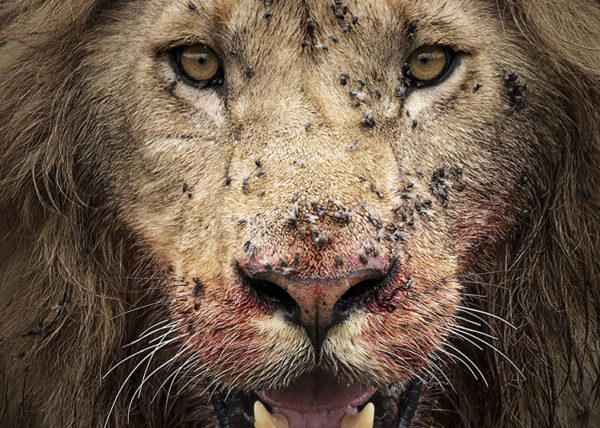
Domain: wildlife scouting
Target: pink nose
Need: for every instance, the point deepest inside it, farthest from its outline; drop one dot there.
(317, 304)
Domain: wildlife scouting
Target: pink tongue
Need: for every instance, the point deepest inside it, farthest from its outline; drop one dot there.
(317, 399)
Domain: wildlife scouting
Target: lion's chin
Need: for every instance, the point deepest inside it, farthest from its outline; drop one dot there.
(319, 400)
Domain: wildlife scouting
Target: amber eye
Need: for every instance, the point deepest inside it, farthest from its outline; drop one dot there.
(199, 64)
(429, 64)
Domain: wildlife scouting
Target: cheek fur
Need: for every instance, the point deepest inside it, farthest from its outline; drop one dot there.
(476, 225)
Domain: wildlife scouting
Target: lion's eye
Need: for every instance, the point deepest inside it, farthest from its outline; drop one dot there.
(429, 64)
(199, 64)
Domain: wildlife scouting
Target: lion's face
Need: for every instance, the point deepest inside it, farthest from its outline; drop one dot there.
(313, 209)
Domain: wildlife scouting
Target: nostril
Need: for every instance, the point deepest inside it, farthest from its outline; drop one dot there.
(276, 297)
(355, 297)
(314, 303)
(273, 296)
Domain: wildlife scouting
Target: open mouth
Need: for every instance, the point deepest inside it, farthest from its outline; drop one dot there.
(319, 400)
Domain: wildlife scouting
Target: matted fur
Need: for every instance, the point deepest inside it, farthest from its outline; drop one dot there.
(68, 265)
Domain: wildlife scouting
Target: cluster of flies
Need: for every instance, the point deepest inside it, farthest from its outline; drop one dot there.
(341, 11)
(45, 328)
(306, 217)
(516, 91)
(443, 180)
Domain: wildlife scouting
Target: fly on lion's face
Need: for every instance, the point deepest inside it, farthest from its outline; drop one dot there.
(296, 213)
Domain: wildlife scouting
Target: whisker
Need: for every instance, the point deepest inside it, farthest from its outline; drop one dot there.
(433, 365)
(470, 361)
(123, 386)
(458, 317)
(467, 309)
(149, 331)
(138, 391)
(493, 272)
(138, 308)
(152, 356)
(432, 361)
(460, 327)
(127, 359)
(170, 331)
(456, 359)
(497, 351)
(189, 362)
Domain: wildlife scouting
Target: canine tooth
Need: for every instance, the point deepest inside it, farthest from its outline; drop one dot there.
(364, 419)
(264, 419)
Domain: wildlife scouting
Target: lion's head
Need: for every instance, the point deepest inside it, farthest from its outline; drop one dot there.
(217, 210)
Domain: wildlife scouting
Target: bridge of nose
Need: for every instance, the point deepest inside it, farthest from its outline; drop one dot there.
(317, 298)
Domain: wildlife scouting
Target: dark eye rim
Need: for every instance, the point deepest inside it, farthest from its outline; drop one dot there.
(452, 60)
(175, 60)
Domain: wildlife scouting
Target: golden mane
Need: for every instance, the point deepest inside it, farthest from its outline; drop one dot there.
(63, 256)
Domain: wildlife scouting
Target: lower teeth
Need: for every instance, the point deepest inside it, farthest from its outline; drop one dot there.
(364, 419)
(265, 419)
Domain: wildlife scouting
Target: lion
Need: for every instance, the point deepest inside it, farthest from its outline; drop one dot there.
(372, 213)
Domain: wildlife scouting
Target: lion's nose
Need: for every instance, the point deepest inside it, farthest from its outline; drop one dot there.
(317, 304)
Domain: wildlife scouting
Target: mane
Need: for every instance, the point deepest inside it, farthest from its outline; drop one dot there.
(66, 254)
(65, 263)
(546, 282)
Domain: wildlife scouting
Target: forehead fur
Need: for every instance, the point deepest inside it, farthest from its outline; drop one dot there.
(279, 28)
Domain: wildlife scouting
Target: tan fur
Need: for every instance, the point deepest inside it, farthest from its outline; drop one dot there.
(115, 202)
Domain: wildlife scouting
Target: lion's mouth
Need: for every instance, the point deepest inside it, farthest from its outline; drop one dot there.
(319, 400)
